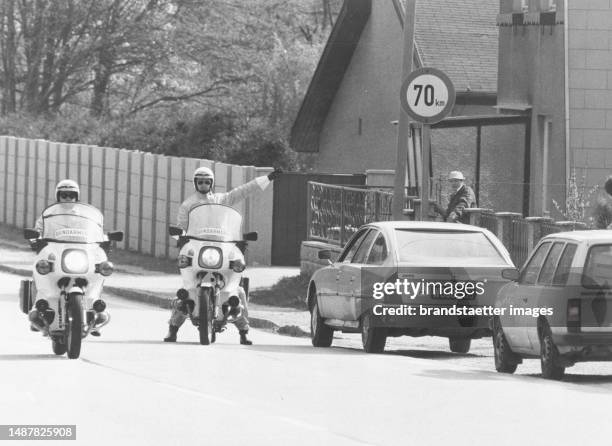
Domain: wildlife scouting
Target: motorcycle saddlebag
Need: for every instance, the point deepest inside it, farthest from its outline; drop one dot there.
(25, 296)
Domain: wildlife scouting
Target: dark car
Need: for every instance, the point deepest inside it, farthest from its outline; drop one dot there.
(451, 272)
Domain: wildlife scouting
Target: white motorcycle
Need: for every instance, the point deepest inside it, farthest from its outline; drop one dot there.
(63, 302)
(211, 263)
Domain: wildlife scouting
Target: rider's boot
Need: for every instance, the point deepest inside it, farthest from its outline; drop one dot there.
(172, 331)
(243, 338)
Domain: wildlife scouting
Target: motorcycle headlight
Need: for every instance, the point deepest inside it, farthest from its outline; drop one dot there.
(211, 257)
(75, 261)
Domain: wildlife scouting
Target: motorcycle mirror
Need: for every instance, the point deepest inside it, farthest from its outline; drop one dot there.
(115, 236)
(175, 230)
(30, 233)
(250, 236)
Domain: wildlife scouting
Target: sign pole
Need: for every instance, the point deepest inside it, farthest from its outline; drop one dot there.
(425, 169)
(404, 125)
(428, 96)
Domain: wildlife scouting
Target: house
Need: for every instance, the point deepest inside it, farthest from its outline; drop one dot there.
(348, 116)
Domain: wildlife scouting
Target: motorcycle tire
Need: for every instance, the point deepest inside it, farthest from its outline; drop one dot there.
(74, 319)
(205, 315)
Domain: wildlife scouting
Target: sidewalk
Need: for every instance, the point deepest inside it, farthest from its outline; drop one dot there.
(157, 288)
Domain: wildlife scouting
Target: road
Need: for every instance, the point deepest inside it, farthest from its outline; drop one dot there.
(128, 387)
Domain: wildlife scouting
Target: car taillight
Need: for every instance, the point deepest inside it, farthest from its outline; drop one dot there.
(573, 315)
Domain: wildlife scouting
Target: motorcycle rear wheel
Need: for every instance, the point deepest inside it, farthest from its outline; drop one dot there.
(205, 316)
(74, 323)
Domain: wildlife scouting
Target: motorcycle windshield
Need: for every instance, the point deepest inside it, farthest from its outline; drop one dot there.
(215, 222)
(73, 222)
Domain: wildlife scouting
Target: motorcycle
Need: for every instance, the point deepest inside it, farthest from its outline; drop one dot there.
(211, 263)
(63, 301)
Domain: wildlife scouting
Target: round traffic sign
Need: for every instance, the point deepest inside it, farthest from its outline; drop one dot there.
(427, 95)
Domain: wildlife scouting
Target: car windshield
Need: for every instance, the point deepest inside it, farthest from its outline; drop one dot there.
(425, 246)
(215, 222)
(598, 267)
(73, 222)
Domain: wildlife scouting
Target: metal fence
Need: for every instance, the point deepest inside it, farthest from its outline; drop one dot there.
(336, 212)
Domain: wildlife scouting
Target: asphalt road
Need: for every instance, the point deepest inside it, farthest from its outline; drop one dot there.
(128, 387)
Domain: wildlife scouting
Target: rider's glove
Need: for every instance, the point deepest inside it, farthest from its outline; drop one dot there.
(274, 175)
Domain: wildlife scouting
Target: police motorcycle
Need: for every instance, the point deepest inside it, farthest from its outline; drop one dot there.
(211, 263)
(64, 301)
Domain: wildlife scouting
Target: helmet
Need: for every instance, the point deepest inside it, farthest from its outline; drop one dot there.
(203, 173)
(67, 186)
(456, 175)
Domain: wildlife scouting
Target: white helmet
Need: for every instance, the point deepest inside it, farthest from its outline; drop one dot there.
(67, 186)
(203, 173)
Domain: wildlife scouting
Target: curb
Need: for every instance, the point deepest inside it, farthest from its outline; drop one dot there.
(164, 302)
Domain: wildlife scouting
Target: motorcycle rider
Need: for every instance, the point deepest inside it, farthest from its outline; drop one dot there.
(204, 182)
(66, 191)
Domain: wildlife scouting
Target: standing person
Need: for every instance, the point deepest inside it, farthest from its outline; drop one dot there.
(462, 197)
(204, 183)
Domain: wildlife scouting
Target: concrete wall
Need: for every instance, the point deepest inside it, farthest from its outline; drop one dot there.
(531, 73)
(590, 87)
(138, 193)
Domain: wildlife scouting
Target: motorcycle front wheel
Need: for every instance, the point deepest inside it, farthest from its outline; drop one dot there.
(74, 323)
(205, 315)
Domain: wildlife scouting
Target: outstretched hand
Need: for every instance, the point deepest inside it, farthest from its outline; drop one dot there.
(274, 175)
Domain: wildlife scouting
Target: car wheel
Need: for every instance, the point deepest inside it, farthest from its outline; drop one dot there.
(372, 338)
(549, 357)
(505, 358)
(459, 345)
(321, 334)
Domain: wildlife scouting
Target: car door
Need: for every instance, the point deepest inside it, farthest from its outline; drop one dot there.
(514, 296)
(377, 267)
(542, 294)
(350, 278)
(329, 279)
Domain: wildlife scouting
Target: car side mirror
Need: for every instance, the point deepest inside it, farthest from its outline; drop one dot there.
(250, 236)
(325, 254)
(510, 274)
(175, 230)
(30, 234)
(115, 236)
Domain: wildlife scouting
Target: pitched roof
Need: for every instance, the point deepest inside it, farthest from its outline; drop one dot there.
(459, 37)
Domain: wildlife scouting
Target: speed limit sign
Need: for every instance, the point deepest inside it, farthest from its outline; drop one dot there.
(427, 95)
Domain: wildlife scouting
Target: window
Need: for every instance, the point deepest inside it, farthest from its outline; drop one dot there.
(598, 267)
(429, 246)
(563, 270)
(529, 274)
(378, 253)
(352, 246)
(550, 264)
(364, 248)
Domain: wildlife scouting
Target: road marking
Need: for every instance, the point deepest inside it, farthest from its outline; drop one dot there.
(228, 402)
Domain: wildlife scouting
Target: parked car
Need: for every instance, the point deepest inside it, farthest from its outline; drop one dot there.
(562, 299)
(341, 297)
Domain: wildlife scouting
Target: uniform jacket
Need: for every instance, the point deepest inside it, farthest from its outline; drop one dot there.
(234, 196)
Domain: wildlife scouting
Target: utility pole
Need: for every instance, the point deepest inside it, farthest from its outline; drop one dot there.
(404, 127)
